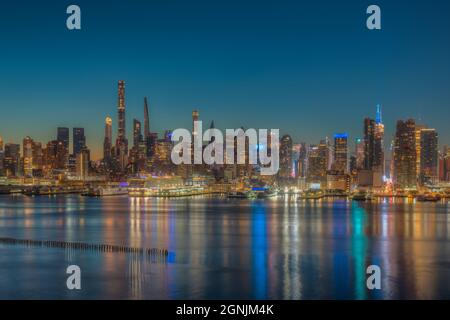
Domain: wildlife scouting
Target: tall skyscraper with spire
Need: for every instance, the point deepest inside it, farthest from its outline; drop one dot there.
(107, 143)
(146, 119)
(378, 157)
(121, 141)
(378, 115)
(149, 139)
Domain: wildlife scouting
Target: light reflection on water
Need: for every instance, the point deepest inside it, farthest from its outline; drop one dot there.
(221, 248)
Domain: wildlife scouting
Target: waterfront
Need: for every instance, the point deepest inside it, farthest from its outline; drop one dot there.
(221, 248)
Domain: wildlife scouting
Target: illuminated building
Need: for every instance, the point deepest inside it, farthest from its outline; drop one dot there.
(405, 170)
(63, 137)
(285, 157)
(360, 153)
(419, 128)
(2, 158)
(11, 160)
(369, 143)
(296, 166)
(107, 143)
(138, 152)
(79, 140)
(378, 147)
(148, 139)
(54, 157)
(2, 163)
(303, 160)
(428, 156)
(373, 165)
(191, 169)
(163, 150)
(121, 140)
(146, 119)
(446, 164)
(82, 163)
(151, 145)
(27, 150)
(137, 133)
(340, 152)
(317, 164)
(353, 170)
(338, 181)
(442, 170)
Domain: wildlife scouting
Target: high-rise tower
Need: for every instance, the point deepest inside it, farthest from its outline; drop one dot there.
(285, 157)
(428, 156)
(378, 147)
(121, 134)
(340, 152)
(121, 141)
(146, 119)
(107, 143)
(369, 143)
(63, 138)
(405, 155)
(79, 140)
(137, 133)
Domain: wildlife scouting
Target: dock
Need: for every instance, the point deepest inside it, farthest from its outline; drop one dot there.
(153, 252)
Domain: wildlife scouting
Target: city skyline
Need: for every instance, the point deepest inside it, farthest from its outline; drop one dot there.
(277, 68)
(118, 133)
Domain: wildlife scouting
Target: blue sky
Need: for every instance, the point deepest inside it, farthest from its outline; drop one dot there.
(310, 68)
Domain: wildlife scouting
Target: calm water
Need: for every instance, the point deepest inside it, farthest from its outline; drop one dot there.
(230, 249)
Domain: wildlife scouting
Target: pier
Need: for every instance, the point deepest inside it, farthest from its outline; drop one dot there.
(153, 252)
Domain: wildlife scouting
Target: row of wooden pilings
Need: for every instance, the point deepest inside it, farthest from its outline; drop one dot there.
(86, 246)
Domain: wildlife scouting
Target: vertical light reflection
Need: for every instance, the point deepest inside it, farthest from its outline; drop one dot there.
(259, 249)
(359, 244)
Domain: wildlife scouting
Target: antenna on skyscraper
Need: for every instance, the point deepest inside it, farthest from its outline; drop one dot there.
(378, 118)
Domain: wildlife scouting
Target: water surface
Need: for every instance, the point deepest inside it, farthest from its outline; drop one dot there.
(227, 248)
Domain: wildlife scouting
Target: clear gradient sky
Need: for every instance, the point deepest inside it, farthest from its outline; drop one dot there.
(310, 68)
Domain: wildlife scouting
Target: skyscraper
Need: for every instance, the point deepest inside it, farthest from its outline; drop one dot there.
(137, 133)
(446, 164)
(195, 115)
(55, 158)
(79, 140)
(107, 142)
(428, 156)
(285, 157)
(146, 119)
(405, 155)
(369, 143)
(121, 141)
(27, 150)
(317, 164)
(11, 159)
(82, 163)
(378, 147)
(359, 153)
(303, 160)
(340, 152)
(63, 137)
(38, 159)
(419, 128)
(1, 144)
(149, 139)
